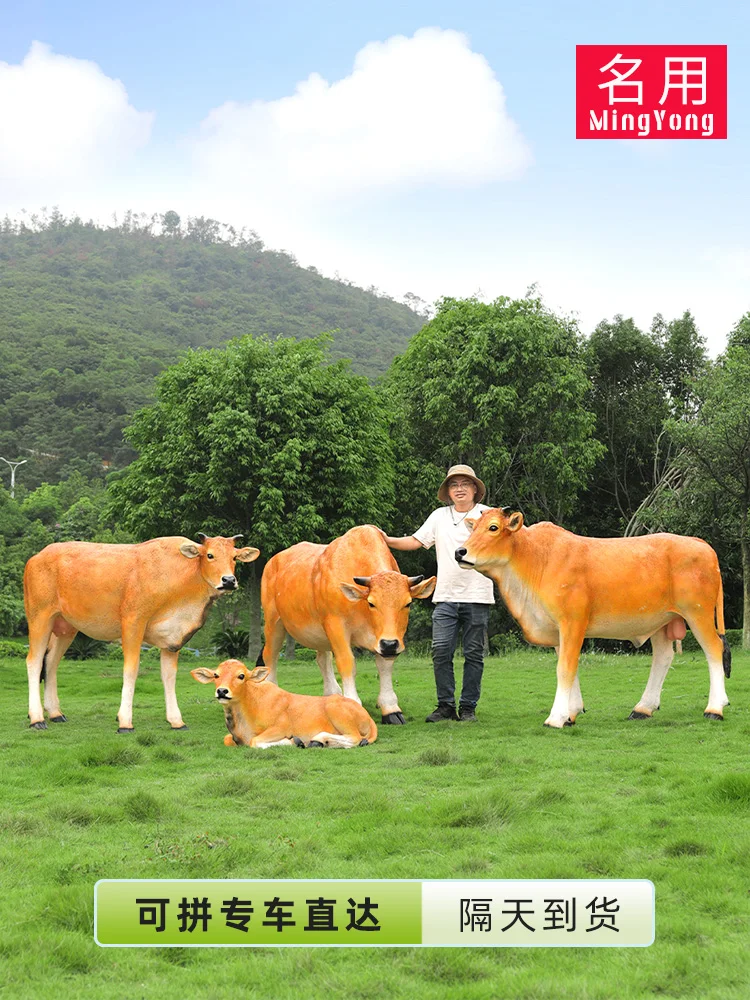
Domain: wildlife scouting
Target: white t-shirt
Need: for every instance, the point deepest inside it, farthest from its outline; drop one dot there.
(454, 583)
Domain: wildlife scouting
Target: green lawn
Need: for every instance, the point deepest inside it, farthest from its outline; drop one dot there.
(666, 799)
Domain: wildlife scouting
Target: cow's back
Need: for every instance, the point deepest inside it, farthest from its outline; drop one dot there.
(287, 586)
(362, 551)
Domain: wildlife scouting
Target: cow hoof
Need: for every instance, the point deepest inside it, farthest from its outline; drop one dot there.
(569, 722)
(58, 718)
(38, 725)
(363, 743)
(638, 715)
(315, 743)
(178, 729)
(298, 742)
(126, 729)
(394, 719)
(713, 715)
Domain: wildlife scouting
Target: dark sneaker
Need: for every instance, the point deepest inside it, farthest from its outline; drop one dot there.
(466, 714)
(441, 713)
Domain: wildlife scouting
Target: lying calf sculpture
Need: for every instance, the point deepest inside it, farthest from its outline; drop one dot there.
(260, 714)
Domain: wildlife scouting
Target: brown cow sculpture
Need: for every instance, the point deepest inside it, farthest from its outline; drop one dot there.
(562, 587)
(259, 714)
(157, 592)
(333, 597)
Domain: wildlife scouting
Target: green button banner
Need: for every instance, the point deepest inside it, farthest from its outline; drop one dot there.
(373, 913)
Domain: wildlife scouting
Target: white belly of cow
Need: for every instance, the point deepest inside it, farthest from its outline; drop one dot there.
(312, 636)
(634, 626)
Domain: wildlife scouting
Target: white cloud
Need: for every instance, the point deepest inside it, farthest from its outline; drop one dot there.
(413, 111)
(62, 121)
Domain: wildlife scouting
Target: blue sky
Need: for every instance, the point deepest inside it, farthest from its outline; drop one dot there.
(394, 166)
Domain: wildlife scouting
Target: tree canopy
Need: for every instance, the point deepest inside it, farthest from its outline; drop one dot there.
(260, 437)
(501, 387)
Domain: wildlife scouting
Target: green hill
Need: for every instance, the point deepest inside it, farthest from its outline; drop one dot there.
(90, 315)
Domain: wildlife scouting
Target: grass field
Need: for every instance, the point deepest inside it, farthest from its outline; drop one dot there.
(666, 799)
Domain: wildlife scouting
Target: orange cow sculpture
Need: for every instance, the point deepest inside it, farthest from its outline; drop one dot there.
(260, 714)
(333, 597)
(159, 592)
(562, 587)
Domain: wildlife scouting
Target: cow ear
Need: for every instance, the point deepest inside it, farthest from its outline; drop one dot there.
(470, 522)
(354, 592)
(515, 521)
(259, 674)
(203, 675)
(190, 549)
(423, 589)
(248, 554)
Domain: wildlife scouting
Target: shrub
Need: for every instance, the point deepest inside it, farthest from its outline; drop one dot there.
(83, 647)
(232, 643)
(13, 648)
(505, 642)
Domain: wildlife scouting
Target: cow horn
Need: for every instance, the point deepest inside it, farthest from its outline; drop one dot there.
(414, 580)
(505, 510)
(202, 538)
(236, 537)
(362, 581)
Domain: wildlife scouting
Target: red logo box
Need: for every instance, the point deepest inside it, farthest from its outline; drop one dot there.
(651, 91)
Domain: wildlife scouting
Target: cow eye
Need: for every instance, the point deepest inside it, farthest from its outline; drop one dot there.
(210, 555)
(216, 677)
(371, 604)
(240, 677)
(494, 527)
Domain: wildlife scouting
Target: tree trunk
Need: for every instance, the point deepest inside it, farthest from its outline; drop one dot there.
(289, 647)
(255, 644)
(746, 592)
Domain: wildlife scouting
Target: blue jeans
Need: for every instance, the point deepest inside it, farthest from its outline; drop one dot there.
(447, 619)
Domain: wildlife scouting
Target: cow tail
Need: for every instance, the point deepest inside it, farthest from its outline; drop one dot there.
(260, 662)
(726, 654)
(43, 675)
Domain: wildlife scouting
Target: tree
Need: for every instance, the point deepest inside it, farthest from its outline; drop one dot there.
(500, 387)
(638, 380)
(262, 437)
(630, 403)
(712, 494)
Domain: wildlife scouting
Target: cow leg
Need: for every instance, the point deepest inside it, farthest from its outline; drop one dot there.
(132, 638)
(275, 634)
(387, 700)
(575, 706)
(40, 630)
(168, 679)
(57, 649)
(324, 659)
(335, 740)
(571, 640)
(703, 628)
(661, 661)
(274, 736)
(342, 653)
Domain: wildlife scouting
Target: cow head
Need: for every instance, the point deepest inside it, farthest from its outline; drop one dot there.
(217, 558)
(387, 596)
(491, 539)
(232, 678)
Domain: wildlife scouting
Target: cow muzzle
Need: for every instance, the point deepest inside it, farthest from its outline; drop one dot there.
(228, 583)
(464, 561)
(223, 694)
(389, 648)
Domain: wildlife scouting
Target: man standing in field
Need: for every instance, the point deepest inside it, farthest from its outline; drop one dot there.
(462, 597)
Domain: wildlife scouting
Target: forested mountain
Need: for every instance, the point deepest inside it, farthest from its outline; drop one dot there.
(89, 315)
